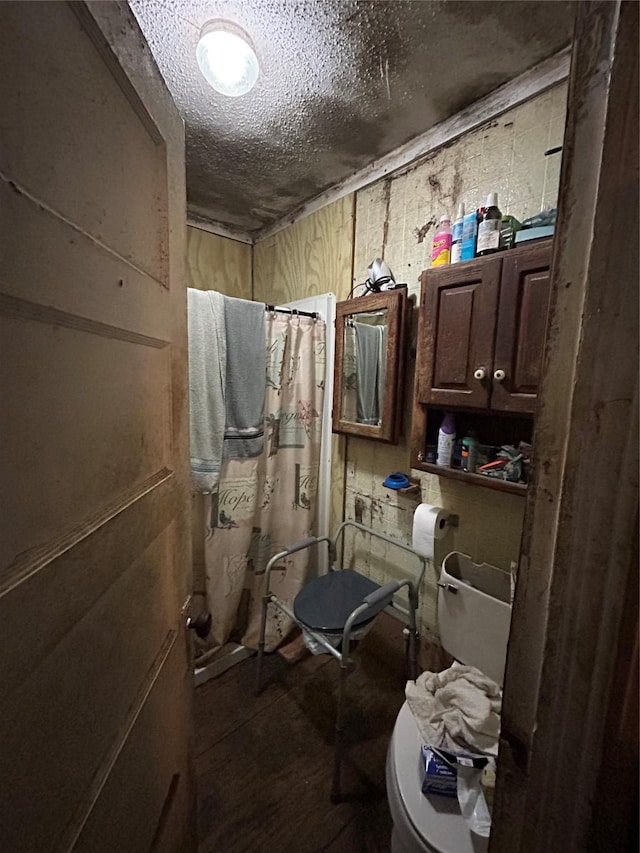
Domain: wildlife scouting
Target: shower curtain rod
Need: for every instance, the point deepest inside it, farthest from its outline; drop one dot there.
(313, 314)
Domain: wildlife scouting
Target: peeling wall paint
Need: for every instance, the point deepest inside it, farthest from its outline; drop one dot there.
(506, 156)
(402, 211)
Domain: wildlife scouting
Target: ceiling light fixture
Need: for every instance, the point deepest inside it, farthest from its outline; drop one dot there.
(227, 59)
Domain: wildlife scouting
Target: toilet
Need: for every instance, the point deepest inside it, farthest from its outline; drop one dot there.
(474, 614)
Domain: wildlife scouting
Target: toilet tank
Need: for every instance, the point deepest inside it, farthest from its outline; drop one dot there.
(474, 613)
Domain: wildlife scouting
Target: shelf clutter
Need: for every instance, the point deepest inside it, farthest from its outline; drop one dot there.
(484, 450)
(485, 231)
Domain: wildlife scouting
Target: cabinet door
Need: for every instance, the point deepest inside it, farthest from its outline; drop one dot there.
(520, 332)
(458, 308)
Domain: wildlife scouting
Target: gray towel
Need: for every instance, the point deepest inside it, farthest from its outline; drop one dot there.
(207, 374)
(246, 377)
(370, 361)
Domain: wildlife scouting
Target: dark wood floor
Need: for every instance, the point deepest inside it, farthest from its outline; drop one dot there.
(264, 763)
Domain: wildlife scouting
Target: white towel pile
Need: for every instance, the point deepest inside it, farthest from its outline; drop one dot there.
(457, 709)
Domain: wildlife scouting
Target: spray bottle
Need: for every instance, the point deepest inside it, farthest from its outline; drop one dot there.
(446, 440)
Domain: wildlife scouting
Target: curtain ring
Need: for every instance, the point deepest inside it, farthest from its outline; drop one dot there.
(296, 313)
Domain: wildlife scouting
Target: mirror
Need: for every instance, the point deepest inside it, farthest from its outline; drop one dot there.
(369, 365)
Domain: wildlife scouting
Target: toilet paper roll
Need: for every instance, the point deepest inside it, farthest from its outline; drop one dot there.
(429, 524)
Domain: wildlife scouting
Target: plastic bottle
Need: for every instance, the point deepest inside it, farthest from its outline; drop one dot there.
(441, 251)
(446, 440)
(469, 453)
(456, 239)
(489, 227)
(469, 234)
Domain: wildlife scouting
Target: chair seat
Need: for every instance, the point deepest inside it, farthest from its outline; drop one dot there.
(325, 603)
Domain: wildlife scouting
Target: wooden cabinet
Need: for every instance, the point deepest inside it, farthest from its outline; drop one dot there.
(521, 328)
(456, 330)
(481, 334)
(481, 331)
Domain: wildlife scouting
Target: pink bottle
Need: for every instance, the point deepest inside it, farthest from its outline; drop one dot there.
(441, 251)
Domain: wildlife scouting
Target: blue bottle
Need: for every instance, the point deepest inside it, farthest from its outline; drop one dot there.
(469, 236)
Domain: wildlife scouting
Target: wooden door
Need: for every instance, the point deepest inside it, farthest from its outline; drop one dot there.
(521, 328)
(95, 675)
(458, 311)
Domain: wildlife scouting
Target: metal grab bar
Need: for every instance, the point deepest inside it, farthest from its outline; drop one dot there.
(385, 538)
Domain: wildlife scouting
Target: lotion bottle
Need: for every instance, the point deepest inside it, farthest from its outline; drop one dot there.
(446, 440)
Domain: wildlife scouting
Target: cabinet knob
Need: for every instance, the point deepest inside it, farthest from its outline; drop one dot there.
(480, 373)
(499, 375)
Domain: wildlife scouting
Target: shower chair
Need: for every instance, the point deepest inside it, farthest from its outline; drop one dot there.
(335, 605)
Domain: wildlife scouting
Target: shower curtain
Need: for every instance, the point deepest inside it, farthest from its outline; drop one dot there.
(268, 502)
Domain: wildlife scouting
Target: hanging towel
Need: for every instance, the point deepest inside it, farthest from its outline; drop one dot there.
(457, 709)
(246, 377)
(207, 374)
(370, 359)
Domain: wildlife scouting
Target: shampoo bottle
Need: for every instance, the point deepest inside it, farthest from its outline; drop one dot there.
(456, 241)
(446, 440)
(441, 252)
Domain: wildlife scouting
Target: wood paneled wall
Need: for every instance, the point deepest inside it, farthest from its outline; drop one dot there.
(395, 219)
(312, 256)
(217, 263)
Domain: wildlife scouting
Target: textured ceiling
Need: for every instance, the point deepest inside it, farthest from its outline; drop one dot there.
(341, 83)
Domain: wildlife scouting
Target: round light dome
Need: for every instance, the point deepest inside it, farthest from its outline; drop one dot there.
(227, 60)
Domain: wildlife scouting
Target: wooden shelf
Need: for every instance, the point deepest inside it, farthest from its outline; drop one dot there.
(471, 479)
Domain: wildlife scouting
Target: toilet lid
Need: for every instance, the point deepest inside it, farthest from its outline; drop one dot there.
(436, 819)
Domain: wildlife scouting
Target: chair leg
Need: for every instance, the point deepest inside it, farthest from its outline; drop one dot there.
(412, 638)
(411, 653)
(336, 795)
(263, 627)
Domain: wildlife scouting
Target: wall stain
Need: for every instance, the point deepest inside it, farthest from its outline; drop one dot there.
(458, 182)
(387, 204)
(377, 510)
(421, 233)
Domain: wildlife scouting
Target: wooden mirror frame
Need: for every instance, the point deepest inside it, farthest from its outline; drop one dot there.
(395, 302)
